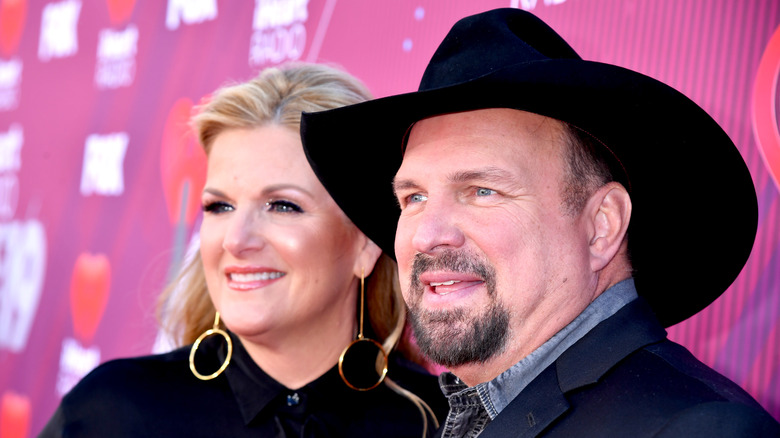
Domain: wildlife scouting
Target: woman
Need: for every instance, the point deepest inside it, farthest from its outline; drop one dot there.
(273, 300)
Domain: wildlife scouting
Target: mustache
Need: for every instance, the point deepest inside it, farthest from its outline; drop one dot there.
(451, 260)
(458, 335)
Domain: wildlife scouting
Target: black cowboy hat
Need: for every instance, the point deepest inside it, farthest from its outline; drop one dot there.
(695, 211)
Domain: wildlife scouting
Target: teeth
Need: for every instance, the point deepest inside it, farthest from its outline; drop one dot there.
(256, 276)
(445, 283)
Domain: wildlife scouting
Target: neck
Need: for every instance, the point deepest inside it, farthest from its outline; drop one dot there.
(296, 367)
(297, 357)
(475, 373)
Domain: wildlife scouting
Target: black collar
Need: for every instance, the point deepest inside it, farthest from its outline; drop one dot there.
(255, 391)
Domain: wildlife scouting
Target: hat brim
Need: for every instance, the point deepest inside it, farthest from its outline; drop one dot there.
(695, 210)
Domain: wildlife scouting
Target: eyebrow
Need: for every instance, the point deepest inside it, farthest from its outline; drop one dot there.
(487, 174)
(484, 174)
(216, 192)
(403, 184)
(268, 190)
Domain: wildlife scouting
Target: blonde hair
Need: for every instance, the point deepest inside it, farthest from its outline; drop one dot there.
(279, 96)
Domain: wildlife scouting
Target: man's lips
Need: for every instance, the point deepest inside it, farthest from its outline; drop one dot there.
(445, 283)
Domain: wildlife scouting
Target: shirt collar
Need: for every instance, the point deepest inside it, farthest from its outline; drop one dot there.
(252, 387)
(499, 392)
(256, 391)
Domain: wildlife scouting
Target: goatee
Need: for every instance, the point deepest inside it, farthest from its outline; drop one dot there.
(461, 335)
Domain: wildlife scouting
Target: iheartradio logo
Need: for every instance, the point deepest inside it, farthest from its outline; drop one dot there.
(765, 123)
(119, 10)
(183, 172)
(278, 33)
(182, 165)
(90, 286)
(12, 17)
(115, 66)
(15, 414)
(22, 271)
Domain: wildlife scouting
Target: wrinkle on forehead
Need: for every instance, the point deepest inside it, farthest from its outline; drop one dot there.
(486, 129)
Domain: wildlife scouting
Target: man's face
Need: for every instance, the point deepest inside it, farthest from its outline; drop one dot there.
(485, 253)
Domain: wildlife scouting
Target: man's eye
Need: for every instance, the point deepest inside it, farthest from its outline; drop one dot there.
(283, 207)
(217, 207)
(417, 198)
(481, 191)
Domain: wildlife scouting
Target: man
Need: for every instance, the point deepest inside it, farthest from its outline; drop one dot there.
(555, 215)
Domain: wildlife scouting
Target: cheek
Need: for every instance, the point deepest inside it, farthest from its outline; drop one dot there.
(404, 234)
(311, 248)
(404, 253)
(211, 254)
(293, 246)
(210, 244)
(513, 244)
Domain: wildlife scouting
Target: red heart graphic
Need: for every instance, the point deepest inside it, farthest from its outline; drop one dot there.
(89, 290)
(15, 413)
(12, 15)
(182, 165)
(119, 10)
(765, 107)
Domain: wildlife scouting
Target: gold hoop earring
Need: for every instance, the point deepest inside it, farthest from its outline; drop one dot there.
(381, 366)
(195, 346)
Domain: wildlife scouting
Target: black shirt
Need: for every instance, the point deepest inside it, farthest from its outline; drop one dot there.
(158, 396)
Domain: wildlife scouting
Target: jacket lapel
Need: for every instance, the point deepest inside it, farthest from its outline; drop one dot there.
(538, 405)
(584, 363)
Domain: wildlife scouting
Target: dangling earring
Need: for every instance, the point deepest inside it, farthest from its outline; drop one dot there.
(205, 334)
(360, 339)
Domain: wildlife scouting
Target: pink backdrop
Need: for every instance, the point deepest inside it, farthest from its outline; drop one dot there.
(99, 179)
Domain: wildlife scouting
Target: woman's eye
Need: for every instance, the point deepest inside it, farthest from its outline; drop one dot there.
(481, 191)
(217, 207)
(283, 207)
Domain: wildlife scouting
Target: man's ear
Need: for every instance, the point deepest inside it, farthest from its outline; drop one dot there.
(368, 254)
(608, 213)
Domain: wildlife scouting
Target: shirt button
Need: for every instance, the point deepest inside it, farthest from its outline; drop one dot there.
(293, 399)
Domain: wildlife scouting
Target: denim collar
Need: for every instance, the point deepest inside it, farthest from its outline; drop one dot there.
(499, 392)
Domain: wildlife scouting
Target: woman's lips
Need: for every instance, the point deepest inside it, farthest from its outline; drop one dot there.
(256, 276)
(243, 278)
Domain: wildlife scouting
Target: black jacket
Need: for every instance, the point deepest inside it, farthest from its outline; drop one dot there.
(626, 379)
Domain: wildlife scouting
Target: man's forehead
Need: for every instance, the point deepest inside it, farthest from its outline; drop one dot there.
(488, 122)
(481, 136)
(461, 175)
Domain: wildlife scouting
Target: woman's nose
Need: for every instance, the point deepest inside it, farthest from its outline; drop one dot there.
(243, 234)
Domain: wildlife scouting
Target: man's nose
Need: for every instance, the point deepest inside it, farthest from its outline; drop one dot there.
(437, 228)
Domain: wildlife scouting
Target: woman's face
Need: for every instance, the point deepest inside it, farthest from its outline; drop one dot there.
(280, 257)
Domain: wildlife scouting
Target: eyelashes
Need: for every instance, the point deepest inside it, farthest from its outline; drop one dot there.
(278, 206)
(416, 198)
(483, 191)
(283, 207)
(217, 207)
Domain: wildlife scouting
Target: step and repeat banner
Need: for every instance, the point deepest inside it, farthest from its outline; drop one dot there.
(100, 178)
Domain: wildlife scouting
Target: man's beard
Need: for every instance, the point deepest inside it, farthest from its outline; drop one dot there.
(461, 335)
